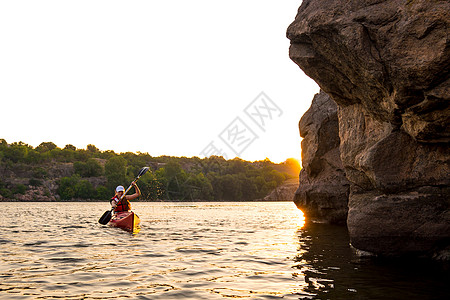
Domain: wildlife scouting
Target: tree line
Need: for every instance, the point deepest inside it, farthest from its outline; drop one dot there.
(80, 174)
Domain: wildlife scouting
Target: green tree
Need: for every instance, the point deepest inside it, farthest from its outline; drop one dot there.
(84, 190)
(92, 149)
(34, 182)
(115, 171)
(5, 191)
(82, 155)
(273, 175)
(226, 187)
(163, 182)
(56, 154)
(45, 146)
(66, 187)
(173, 169)
(175, 179)
(231, 188)
(16, 152)
(33, 157)
(107, 154)
(70, 147)
(102, 193)
(73, 187)
(248, 187)
(94, 167)
(39, 172)
(91, 168)
(198, 187)
(80, 168)
(20, 189)
(67, 155)
(236, 166)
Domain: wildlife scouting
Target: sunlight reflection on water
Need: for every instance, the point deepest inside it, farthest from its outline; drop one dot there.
(300, 219)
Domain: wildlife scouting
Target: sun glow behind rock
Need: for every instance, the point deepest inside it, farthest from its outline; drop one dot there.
(301, 219)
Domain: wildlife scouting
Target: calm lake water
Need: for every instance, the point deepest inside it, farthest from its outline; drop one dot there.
(256, 250)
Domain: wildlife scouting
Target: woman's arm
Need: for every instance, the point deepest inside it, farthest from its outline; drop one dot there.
(136, 194)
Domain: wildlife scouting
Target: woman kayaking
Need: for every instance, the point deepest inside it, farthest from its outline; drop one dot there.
(123, 217)
(124, 204)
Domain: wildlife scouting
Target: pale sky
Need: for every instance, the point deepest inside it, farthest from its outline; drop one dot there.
(163, 77)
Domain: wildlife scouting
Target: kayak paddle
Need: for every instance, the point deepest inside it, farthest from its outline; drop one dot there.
(106, 217)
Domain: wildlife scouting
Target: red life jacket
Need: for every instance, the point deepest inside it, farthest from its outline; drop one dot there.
(123, 205)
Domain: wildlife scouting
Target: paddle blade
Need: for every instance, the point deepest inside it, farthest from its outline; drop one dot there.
(106, 217)
(143, 171)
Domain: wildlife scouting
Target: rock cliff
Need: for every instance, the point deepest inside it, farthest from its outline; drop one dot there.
(323, 191)
(386, 65)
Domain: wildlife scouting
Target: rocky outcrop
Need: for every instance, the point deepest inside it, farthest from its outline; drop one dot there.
(284, 192)
(386, 65)
(44, 193)
(323, 190)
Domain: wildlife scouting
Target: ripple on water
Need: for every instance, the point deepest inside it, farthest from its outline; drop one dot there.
(35, 243)
(198, 250)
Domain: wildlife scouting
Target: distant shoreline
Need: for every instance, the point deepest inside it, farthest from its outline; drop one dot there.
(144, 201)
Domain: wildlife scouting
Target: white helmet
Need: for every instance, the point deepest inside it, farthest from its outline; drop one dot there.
(120, 188)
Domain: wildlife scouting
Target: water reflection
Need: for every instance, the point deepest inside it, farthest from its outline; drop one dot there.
(300, 219)
(332, 270)
(194, 251)
(184, 251)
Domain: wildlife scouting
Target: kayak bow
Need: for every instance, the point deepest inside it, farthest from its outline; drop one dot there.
(126, 220)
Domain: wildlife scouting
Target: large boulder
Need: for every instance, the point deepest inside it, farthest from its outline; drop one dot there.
(386, 64)
(323, 189)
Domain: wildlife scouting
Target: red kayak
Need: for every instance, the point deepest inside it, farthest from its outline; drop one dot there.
(126, 220)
